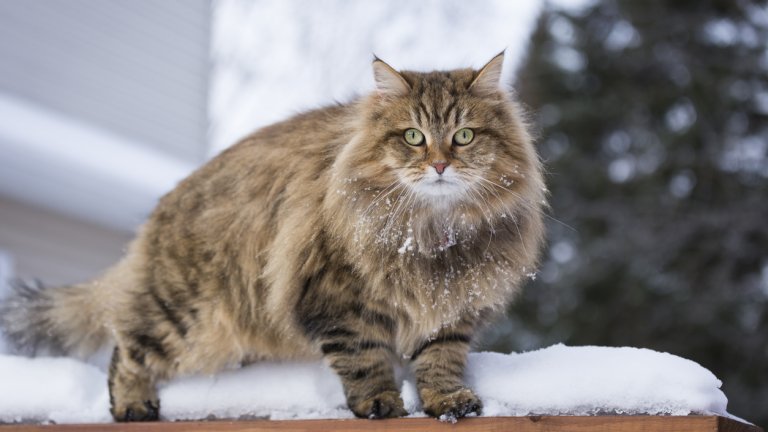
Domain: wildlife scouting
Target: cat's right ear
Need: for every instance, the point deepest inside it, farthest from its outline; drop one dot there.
(389, 82)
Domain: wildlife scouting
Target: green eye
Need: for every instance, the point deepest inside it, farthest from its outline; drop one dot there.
(414, 137)
(463, 136)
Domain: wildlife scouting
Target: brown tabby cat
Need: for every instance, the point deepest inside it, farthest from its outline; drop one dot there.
(387, 228)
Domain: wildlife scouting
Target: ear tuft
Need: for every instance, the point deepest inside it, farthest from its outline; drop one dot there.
(389, 82)
(488, 80)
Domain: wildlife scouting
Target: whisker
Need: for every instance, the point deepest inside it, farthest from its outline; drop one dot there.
(380, 196)
(524, 201)
(487, 216)
(391, 217)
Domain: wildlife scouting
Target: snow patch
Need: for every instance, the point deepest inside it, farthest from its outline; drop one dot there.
(593, 380)
(558, 380)
(406, 246)
(59, 390)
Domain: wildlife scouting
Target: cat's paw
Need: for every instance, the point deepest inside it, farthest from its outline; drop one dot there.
(148, 410)
(451, 406)
(386, 404)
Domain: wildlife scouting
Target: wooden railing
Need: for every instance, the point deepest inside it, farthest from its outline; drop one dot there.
(481, 424)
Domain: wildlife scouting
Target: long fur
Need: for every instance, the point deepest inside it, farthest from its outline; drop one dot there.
(313, 237)
(66, 320)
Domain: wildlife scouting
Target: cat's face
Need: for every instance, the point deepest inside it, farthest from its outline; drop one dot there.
(446, 137)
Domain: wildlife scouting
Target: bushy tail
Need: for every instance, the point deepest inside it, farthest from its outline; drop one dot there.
(65, 320)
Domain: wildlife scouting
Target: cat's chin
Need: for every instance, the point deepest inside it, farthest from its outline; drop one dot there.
(439, 192)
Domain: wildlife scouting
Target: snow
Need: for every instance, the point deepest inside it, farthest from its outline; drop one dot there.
(275, 390)
(594, 380)
(558, 380)
(406, 246)
(60, 390)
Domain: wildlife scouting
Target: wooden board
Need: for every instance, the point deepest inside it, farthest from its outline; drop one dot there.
(481, 424)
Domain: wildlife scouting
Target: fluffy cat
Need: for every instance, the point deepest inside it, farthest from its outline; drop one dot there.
(384, 229)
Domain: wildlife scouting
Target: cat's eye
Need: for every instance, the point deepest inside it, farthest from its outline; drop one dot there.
(463, 136)
(414, 137)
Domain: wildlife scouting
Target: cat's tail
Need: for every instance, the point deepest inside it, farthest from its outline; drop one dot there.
(66, 320)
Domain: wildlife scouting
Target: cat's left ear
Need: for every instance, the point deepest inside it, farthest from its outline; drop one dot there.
(389, 82)
(488, 80)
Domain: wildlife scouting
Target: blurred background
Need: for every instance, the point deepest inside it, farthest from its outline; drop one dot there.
(651, 117)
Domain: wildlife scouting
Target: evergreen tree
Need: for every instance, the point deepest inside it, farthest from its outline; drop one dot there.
(652, 125)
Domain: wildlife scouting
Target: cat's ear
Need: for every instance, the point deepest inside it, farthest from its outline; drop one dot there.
(488, 80)
(389, 81)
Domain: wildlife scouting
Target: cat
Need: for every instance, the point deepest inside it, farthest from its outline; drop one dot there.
(388, 228)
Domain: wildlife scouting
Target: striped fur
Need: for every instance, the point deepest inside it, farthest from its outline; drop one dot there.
(314, 238)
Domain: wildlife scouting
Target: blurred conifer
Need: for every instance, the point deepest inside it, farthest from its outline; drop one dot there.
(652, 119)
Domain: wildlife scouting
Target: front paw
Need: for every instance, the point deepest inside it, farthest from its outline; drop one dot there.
(148, 410)
(451, 406)
(386, 404)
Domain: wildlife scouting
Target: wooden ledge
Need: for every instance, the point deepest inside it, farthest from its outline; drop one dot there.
(486, 424)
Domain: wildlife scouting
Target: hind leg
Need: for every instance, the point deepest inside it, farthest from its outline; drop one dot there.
(132, 392)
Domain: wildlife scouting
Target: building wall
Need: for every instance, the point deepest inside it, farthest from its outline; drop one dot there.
(136, 67)
(103, 108)
(53, 248)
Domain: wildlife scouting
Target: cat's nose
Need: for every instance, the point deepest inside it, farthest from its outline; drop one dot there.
(440, 166)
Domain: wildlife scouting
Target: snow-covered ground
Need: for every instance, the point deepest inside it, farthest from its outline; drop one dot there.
(554, 380)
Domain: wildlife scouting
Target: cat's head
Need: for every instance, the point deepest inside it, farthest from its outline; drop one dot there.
(443, 138)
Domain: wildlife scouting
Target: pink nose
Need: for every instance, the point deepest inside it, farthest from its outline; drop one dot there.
(440, 166)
